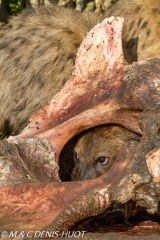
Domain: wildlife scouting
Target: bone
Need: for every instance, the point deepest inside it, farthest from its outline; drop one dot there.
(153, 163)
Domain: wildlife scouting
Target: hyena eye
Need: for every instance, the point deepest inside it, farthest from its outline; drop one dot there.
(103, 160)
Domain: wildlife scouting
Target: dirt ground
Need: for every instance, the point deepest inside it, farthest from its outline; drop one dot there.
(113, 236)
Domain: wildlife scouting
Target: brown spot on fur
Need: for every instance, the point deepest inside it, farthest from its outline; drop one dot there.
(144, 25)
(137, 9)
(11, 50)
(28, 64)
(23, 40)
(20, 25)
(143, 45)
(139, 21)
(62, 69)
(32, 31)
(76, 45)
(156, 11)
(3, 45)
(69, 31)
(17, 60)
(133, 34)
(148, 33)
(131, 25)
(70, 56)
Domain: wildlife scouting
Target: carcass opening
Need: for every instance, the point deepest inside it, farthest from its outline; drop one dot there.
(91, 153)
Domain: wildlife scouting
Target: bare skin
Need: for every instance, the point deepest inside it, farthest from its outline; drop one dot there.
(93, 151)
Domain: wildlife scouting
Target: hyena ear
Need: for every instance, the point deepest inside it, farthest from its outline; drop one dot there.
(102, 5)
(106, 4)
